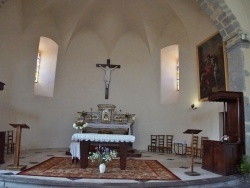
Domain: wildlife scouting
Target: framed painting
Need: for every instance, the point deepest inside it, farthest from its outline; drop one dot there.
(212, 66)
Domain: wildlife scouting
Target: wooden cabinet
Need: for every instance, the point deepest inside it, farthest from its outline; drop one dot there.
(221, 158)
(234, 121)
(2, 145)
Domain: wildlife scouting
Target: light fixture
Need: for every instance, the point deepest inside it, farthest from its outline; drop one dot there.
(245, 37)
(193, 107)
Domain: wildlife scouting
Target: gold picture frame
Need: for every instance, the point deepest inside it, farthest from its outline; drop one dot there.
(212, 66)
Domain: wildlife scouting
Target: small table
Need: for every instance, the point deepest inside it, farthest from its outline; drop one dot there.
(180, 147)
(86, 138)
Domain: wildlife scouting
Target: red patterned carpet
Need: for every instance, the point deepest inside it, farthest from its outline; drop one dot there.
(135, 170)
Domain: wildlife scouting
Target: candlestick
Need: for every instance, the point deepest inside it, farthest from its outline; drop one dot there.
(120, 116)
(91, 114)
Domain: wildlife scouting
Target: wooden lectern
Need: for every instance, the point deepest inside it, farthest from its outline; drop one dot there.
(16, 165)
(192, 131)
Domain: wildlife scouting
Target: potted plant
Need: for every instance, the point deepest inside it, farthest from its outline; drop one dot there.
(244, 166)
(103, 155)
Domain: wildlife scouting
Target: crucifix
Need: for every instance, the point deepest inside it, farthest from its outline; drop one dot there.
(107, 78)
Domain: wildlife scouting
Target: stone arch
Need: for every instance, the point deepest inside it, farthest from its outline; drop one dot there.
(223, 19)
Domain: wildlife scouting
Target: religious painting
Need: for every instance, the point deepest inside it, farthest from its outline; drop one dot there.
(212, 66)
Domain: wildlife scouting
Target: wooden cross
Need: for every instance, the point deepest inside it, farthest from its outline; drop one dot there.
(107, 68)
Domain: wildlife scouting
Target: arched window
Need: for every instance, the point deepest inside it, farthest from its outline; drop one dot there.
(38, 62)
(48, 51)
(170, 74)
(177, 76)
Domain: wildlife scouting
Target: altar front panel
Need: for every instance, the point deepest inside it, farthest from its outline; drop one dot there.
(113, 127)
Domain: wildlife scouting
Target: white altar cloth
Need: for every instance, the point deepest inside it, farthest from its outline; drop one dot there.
(102, 137)
(75, 149)
(111, 126)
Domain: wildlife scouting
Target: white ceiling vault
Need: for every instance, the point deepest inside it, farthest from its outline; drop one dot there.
(109, 19)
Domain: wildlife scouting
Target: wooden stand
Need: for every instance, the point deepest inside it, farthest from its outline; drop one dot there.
(16, 165)
(2, 145)
(192, 131)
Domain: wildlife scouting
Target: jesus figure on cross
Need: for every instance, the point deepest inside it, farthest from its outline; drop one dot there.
(107, 76)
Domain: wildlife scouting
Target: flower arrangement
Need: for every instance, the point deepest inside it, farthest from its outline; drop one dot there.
(103, 155)
(224, 138)
(83, 114)
(80, 125)
(128, 115)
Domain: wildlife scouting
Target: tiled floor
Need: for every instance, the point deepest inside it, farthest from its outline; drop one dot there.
(178, 164)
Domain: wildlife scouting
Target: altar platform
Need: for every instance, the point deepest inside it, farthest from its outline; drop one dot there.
(177, 164)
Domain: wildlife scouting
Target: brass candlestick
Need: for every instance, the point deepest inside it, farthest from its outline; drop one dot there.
(120, 119)
(91, 115)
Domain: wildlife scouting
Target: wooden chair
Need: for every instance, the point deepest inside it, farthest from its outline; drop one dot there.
(195, 145)
(9, 142)
(161, 143)
(198, 151)
(169, 144)
(153, 143)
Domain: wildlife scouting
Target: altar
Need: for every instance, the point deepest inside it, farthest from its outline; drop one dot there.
(86, 139)
(114, 127)
(107, 121)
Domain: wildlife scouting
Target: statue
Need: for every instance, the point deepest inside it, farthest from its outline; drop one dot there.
(106, 117)
(107, 68)
(107, 76)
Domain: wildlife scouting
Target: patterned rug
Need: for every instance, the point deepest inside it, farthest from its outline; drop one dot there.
(135, 170)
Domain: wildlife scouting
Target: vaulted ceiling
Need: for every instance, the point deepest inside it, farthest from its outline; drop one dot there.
(109, 19)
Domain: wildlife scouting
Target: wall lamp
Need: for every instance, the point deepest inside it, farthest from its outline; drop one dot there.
(245, 37)
(193, 107)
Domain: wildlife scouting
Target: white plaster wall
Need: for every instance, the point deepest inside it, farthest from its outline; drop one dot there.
(79, 85)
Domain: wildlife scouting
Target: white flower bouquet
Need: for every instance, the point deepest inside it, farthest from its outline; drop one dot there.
(80, 125)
